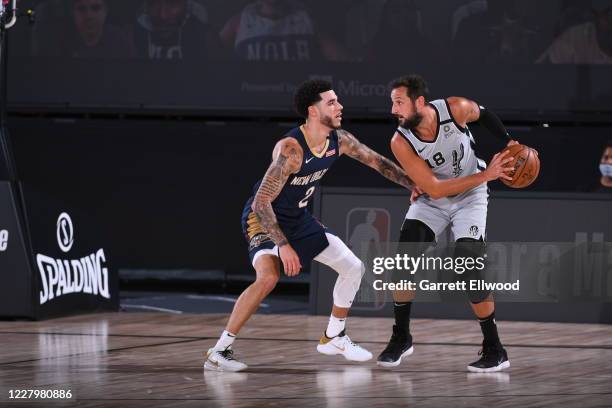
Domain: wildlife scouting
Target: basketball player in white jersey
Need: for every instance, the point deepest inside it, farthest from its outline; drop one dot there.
(435, 147)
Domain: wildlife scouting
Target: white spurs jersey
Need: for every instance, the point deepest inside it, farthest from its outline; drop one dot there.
(451, 154)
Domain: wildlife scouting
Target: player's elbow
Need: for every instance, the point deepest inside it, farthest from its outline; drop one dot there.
(259, 205)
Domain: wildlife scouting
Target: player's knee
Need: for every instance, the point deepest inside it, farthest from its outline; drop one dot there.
(268, 281)
(350, 273)
(470, 247)
(347, 264)
(357, 265)
(484, 296)
(471, 251)
(473, 248)
(416, 231)
(352, 267)
(415, 237)
(478, 296)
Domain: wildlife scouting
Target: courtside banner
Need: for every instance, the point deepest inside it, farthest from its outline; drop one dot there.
(72, 263)
(15, 274)
(539, 262)
(549, 272)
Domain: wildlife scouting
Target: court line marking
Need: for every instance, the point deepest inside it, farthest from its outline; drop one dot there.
(110, 350)
(154, 308)
(195, 338)
(221, 298)
(152, 336)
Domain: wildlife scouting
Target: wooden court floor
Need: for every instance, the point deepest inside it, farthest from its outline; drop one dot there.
(155, 360)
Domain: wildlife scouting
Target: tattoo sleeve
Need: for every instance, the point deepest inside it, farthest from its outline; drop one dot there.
(362, 153)
(275, 178)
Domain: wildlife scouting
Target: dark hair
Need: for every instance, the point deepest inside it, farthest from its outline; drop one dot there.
(415, 86)
(309, 93)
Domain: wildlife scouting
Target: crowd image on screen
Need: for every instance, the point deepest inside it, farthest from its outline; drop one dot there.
(587, 41)
(400, 22)
(173, 30)
(497, 32)
(79, 29)
(315, 31)
(277, 31)
(519, 57)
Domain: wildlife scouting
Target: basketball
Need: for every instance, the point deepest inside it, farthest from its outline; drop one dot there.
(526, 166)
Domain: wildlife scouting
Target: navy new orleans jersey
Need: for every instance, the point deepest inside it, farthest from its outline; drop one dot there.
(305, 234)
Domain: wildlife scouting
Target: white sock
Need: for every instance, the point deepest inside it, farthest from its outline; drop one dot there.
(225, 340)
(335, 326)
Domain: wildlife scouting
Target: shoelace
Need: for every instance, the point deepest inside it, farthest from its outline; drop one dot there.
(348, 339)
(227, 354)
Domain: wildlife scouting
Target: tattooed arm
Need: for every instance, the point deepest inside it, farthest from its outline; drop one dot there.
(286, 160)
(352, 147)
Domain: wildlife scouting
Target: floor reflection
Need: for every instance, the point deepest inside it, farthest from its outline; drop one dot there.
(225, 387)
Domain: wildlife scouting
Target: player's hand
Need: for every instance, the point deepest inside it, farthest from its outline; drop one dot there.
(416, 193)
(499, 167)
(290, 259)
(512, 142)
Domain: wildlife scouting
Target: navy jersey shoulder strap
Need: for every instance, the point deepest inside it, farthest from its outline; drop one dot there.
(334, 141)
(297, 134)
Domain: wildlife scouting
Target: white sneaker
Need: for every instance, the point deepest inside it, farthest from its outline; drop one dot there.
(342, 344)
(223, 360)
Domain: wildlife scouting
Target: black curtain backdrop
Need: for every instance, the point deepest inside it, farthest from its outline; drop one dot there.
(169, 194)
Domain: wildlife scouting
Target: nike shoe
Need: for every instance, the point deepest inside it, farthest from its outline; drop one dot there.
(400, 346)
(492, 359)
(222, 360)
(342, 344)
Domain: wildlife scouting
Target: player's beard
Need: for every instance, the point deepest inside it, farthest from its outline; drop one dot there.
(412, 122)
(329, 122)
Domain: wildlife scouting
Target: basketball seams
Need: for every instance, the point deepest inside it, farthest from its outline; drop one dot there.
(517, 177)
(535, 167)
(516, 151)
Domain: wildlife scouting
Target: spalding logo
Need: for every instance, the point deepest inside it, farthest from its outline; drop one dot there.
(65, 232)
(87, 275)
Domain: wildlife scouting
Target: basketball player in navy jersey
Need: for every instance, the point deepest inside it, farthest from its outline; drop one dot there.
(279, 228)
(436, 149)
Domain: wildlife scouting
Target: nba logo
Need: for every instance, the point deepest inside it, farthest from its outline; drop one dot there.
(367, 234)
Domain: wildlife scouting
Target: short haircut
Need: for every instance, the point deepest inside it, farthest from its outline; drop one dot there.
(309, 93)
(414, 84)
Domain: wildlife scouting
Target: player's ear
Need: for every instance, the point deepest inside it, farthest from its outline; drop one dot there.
(420, 102)
(313, 111)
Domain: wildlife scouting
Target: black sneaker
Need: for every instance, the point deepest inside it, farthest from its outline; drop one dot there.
(492, 359)
(400, 345)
